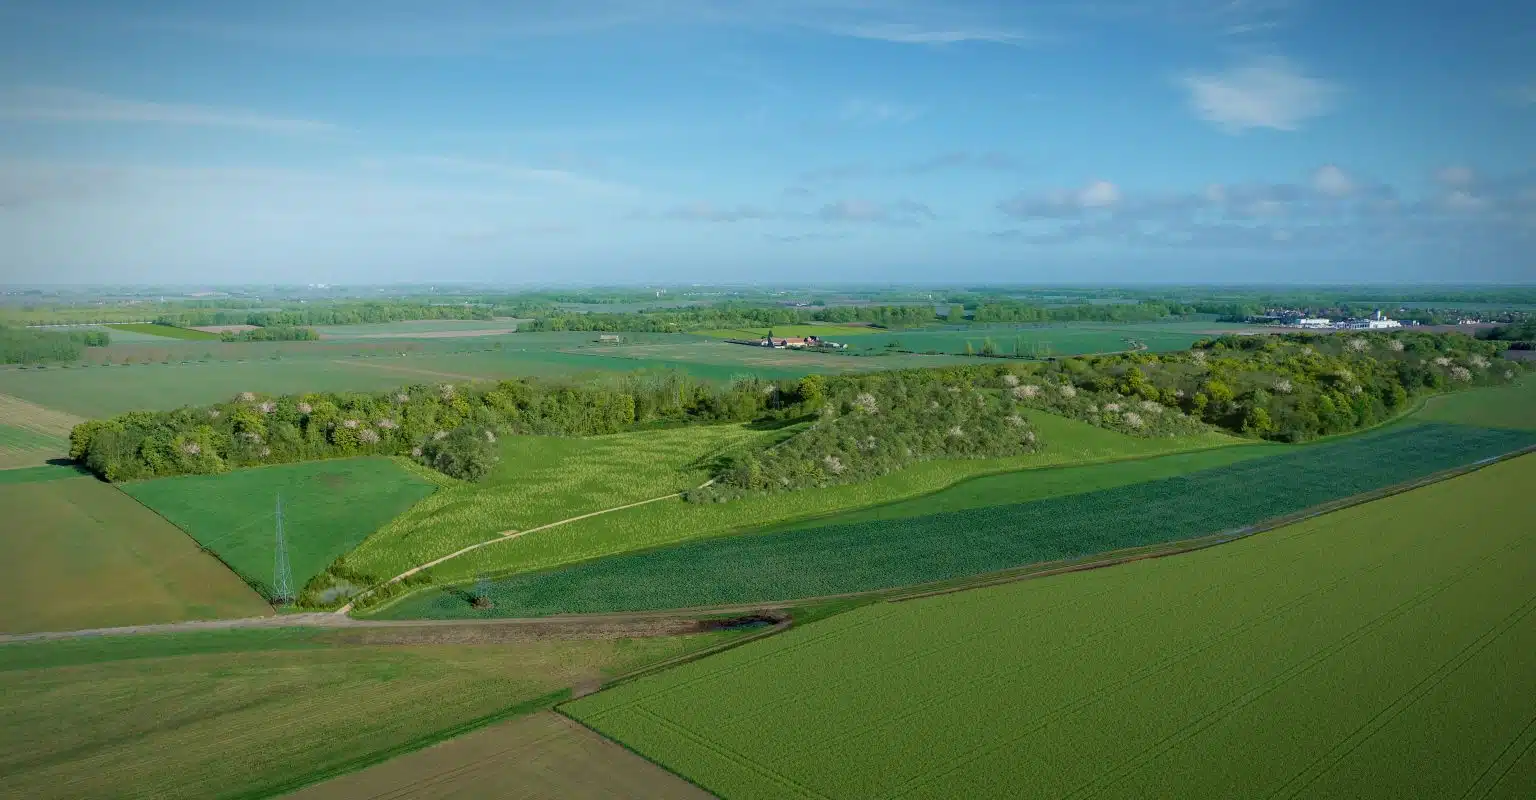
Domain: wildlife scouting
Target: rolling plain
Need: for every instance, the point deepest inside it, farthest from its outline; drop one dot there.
(980, 626)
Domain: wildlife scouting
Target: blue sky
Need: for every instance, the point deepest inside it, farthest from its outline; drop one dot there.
(702, 140)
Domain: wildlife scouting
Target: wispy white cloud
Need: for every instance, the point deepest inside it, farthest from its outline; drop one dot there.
(429, 27)
(904, 213)
(1331, 209)
(859, 111)
(709, 212)
(50, 104)
(1265, 93)
(519, 174)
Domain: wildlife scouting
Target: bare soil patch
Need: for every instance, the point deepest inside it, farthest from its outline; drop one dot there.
(538, 756)
(22, 414)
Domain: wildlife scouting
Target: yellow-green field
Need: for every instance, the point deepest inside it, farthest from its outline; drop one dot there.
(1383, 651)
(78, 553)
(545, 479)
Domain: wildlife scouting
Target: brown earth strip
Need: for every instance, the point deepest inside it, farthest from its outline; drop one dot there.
(22, 414)
(538, 756)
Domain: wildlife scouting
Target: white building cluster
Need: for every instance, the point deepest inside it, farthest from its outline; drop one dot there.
(1373, 323)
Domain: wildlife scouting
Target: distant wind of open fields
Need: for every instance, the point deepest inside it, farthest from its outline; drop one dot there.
(145, 376)
(1380, 651)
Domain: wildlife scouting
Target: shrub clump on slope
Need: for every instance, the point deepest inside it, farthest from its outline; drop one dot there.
(875, 427)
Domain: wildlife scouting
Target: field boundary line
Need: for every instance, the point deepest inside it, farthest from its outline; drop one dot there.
(1221, 537)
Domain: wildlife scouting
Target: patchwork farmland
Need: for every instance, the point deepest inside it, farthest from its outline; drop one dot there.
(535, 554)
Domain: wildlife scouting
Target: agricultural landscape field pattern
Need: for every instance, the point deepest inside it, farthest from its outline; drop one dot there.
(1153, 679)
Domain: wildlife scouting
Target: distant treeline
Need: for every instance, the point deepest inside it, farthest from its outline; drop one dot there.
(328, 314)
(734, 315)
(35, 346)
(1287, 388)
(1521, 336)
(284, 333)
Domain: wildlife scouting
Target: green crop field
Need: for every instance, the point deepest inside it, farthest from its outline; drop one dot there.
(78, 553)
(671, 521)
(257, 713)
(1382, 651)
(1504, 407)
(544, 479)
(20, 447)
(328, 508)
(166, 331)
(819, 560)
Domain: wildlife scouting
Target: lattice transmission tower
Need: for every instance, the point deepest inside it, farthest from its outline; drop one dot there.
(282, 574)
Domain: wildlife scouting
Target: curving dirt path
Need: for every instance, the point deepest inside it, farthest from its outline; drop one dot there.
(504, 536)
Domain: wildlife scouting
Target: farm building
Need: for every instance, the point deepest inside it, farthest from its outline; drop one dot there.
(610, 338)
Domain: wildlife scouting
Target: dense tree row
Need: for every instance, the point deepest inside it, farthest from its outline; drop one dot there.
(1287, 388)
(1520, 336)
(257, 428)
(37, 346)
(282, 333)
(326, 314)
(729, 315)
(1017, 312)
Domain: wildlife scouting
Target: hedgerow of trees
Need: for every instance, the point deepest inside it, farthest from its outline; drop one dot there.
(35, 346)
(281, 333)
(1286, 388)
(326, 314)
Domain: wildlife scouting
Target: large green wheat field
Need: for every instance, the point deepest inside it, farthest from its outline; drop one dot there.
(1388, 650)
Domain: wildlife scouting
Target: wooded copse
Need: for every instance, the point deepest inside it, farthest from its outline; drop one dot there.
(1287, 388)
(730, 315)
(37, 346)
(281, 333)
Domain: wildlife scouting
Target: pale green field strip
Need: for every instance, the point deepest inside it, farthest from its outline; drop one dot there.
(1503, 407)
(253, 714)
(50, 472)
(78, 553)
(671, 521)
(1386, 650)
(545, 479)
(22, 447)
(328, 508)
